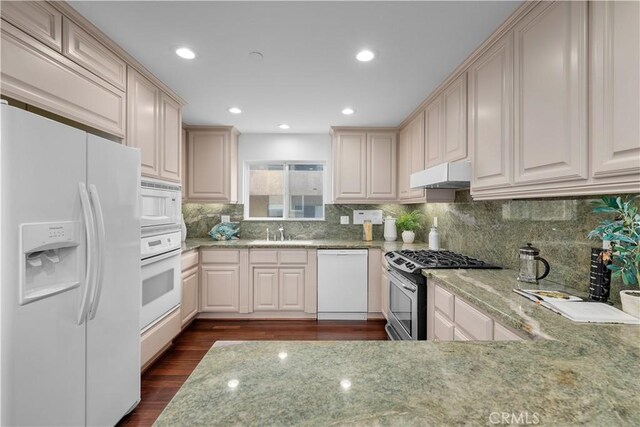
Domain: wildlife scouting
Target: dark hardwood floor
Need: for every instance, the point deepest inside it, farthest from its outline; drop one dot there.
(162, 380)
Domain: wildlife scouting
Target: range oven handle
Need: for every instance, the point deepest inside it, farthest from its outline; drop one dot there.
(409, 288)
(164, 256)
(402, 282)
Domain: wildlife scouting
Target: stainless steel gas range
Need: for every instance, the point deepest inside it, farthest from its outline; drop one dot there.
(408, 291)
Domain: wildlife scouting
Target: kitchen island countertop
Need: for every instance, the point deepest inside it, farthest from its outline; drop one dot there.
(570, 374)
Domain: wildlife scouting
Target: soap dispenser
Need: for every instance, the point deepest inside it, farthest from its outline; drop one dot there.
(434, 238)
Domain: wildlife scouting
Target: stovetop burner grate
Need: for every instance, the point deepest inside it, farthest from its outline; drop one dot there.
(413, 261)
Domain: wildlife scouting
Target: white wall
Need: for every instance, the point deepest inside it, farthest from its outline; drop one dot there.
(273, 146)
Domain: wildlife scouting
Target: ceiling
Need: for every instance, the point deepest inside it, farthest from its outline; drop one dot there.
(309, 72)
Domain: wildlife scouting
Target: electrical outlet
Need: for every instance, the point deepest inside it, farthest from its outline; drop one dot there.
(226, 218)
(344, 220)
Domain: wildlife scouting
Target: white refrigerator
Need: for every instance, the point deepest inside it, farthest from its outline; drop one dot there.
(70, 269)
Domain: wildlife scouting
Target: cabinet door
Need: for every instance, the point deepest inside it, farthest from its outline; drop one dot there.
(220, 288)
(433, 134)
(142, 121)
(265, 289)
(458, 335)
(442, 328)
(381, 166)
(384, 289)
(36, 18)
(291, 289)
(208, 172)
(404, 146)
(490, 115)
(171, 128)
(478, 325)
(350, 166)
(411, 157)
(189, 302)
(615, 88)
(551, 93)
(82, 48)
(454, 121)
(183, 166)
(500, 333)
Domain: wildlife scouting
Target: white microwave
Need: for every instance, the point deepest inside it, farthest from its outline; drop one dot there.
(160, 204)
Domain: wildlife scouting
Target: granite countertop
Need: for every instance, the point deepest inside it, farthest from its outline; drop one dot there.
(190, 244)
(570, 374)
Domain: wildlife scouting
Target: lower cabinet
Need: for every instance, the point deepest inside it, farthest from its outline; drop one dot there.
(157, 338)
(283, 282)
(222, 275)
(452, 319)
(189, 301)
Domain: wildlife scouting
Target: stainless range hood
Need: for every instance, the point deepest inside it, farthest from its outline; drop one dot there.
(454, 175)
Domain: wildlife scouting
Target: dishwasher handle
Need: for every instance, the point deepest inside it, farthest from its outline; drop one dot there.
(342, 252)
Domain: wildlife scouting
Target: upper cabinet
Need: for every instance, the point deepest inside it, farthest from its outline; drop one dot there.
(615, 89)
(550, 104)
(411, 159)
(490, 115)
(212, 172)
(153, 126)
(364, 165)
(553, 104)
(36, 18)
(446, 124)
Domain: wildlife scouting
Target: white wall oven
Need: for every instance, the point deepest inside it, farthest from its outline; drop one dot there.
(161, 256)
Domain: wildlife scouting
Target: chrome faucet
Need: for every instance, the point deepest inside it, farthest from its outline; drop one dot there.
(281, 230)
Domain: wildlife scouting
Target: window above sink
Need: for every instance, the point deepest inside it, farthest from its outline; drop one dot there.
(282, 191)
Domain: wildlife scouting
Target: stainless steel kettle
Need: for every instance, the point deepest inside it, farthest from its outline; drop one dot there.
(529, 257)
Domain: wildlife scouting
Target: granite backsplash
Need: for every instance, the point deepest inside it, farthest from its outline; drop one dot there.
(489, 230)
(200, 218)
(494, 231)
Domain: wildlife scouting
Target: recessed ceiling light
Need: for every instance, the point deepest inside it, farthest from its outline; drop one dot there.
(234, 110)
(185, 52)
(365, 55)
(284, 126)
(256, 56)
(348, 111)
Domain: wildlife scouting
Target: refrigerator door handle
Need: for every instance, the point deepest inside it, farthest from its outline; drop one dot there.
(90, 232)
(101, 236)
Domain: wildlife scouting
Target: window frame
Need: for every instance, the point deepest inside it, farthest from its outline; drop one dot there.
(285, 193)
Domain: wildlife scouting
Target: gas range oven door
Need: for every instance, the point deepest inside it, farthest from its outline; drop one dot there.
(403, 308)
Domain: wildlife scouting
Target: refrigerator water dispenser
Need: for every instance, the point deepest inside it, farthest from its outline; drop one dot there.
(50, 261)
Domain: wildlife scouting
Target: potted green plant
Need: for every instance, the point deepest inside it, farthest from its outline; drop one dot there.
(624, 234)
(408, 223)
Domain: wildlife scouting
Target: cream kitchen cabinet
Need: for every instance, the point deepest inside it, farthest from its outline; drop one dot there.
(283, 282)
(490, 113)
(37, 18)
(537, 126)
(374, 289)
(154, 126)
(411, 159)
(190, 289)
(34, 73)
(364, 165)
(550, 104)
(446, 124)
(615, 89)
(450, 318)
(384, 286)
(85, 50)
(212, 174)
(223, 280)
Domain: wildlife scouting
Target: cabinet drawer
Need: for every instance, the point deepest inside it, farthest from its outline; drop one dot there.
(220, 256)
(476, 324)
(189, 259)
(36, 18)
(85, 50)
(161, 334)
(260, 256)
(293, 257)
(443, 301)
(500, 333)
(442, 328)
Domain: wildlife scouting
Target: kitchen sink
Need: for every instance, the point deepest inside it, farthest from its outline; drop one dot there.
(281, 242)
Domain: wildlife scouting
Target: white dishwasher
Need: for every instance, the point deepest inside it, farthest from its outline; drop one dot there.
(342, 284)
